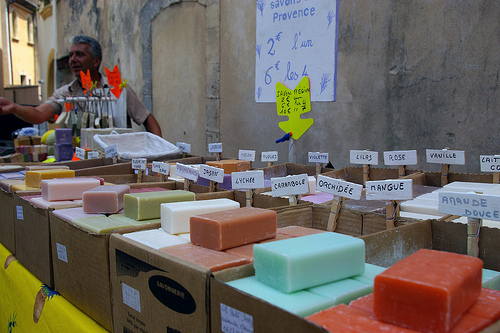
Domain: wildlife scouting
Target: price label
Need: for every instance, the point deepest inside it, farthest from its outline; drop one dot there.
(160, 167)
(316, 157)
(480, 206)
(80, 153)
(186, 171)
(400, 157)
(390, 189)
(247, 180)
(339, 187)
(212, 173)
(364, 157)
(445, 156)
(246, 155)
(290, 185)
(92, 154)
(269, 156)
(215, 147)
(184, 147)
(139, 163)
(111, 151)
(114, 80)
(490, 163)
(235, 321)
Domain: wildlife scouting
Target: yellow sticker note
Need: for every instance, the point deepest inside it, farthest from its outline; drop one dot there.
(293, 103)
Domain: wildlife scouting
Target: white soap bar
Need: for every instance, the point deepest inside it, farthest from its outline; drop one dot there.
(311, 181)
(418, 216)
(421, 206)
(470, 186)
(155, 238)
(175, 215)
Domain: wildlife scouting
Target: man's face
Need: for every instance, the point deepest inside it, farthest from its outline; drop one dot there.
(81, 60)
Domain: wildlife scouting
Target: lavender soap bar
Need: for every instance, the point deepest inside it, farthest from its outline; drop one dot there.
(304, 262)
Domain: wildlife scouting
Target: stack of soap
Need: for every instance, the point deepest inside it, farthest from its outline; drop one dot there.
(146, 205)
(175, 215)
(230, 166)
(67, 188)
(232, 228)
(106, 199)
(34, 178)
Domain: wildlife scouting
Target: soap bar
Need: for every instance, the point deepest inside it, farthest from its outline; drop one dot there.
(369, 274)
(8, 184)
(491, 279)
(175, 215)
(318, 198)
(301, 303)
(428, 290)
(44, 204)
(230, 166)
(155, 238)
(232, 228)
(128, 220)
(309, 261)
(67, 188)
(107, 199)
(146, 205)
(214, 260)
(45, 167)
(63, 136)
(342, 291)
(225, 185)
(298, 231)
(101, 224)
(34, 178)
(487, 305)
(69, 214)
(63, 152)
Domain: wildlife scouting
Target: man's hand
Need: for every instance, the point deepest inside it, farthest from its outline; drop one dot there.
(6, 106)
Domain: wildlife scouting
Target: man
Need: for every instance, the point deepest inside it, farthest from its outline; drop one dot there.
(85, 55)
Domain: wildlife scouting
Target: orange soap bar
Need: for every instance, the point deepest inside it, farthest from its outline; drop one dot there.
(34, 178)
(427, 291)
(347, 319)
(215, 260)
(487, 304)
(231, 228)
(230, 166)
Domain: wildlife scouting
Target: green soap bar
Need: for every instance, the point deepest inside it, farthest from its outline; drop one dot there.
(147, 205)
(102, 224)
(343, 291)
(491, 279)
(309, 261)
(302, 303)
(368, 276)
(126, 219)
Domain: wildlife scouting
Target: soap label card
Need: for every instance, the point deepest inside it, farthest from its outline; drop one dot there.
(269, 156)
(92, 154)
(339, 187)
(246, 155)
(235, 321)
(247, 180)
(290, 185)
(215, 147)
(184, 147)
(80, 153)
(445, 156)
(139, 163)
(160, 167)
(212, 173)
(131, 297)
(317, 157)
(490, 163)
(364, 157)
(111, 151)
(19, 213)
(186, 171)
(61, 252)
(400, 157)
(390, 189)
(471, 205)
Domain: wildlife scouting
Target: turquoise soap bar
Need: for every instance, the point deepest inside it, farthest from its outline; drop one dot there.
(491, 279)
(368, 276)
(302, 303)
(342, 291)
(309, 261)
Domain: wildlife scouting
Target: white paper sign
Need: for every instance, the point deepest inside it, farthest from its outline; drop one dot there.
(186, 171)
(235, 321)
(246, 155)
(364, 157)
(490, 163)
(390, 189)
(400, 157)
(139, 163)
(480, 206)
(296, 39)
(19, 213)
(445, 156)
(131, 297)
(290, 185)
(247, 180)
(212, 173)
(339, 187)
(92, 154)
(111, 151)
(160, 167)
(316, 157)
(80, 153)
(61, 252)
(269, 156)
(184, 147)
(215, 147)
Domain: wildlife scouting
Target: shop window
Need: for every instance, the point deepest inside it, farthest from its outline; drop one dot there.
(15, 28)
(31, 38)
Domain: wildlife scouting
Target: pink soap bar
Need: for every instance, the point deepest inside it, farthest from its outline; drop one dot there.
(44, 204)
(106, 199)
(231, 228)
(67, 188)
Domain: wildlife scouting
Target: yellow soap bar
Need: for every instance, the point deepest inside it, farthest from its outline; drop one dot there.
(34, 178)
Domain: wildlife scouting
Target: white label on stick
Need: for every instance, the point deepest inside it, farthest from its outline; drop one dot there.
(139, 163)
(390, 189)
(480, 206)
(269, 156)
(164, 168)
(131, 297)
(61, 252)
(186, 171)
(490, 163)
(247, 180)
(339, 187)
(155, 167)
(19, 212)
(212, 173)
(290, 185)
(445, 156)
(235, 321)
(184, 147)
(364, 157)
(215, 147)
(246, 155)
(400, 157)
(93, 154)
(80, 153)
(316, 157)
(111, 151)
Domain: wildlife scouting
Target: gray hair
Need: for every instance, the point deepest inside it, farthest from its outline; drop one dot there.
(94, 49)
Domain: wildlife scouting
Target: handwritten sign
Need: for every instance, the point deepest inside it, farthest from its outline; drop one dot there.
(235, 321)
(184, 147)
(364, 157)
(290, 185)
(139, 163)
(86, 81)
(115, 80)
(186, 171)
(480, 206)
(315, 157)
(215, 147)
(400, 157)
(247, 180)
(80, 153)
(111, 151)
(295, 39)
(269, 156)
(212, 173)
(92, 154)
(445, 156)
(490, 163)
(246, 155)
(161, 168)
(339, 187)
(390, 189)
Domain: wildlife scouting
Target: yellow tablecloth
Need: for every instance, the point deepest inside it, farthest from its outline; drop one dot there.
(26, 305)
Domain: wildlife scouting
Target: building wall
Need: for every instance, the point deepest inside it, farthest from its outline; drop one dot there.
(47, 43)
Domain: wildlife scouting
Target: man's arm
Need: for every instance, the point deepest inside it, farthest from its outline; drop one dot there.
(152, 126)
(30, 114)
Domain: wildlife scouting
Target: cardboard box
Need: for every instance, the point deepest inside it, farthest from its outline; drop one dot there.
(7, 235)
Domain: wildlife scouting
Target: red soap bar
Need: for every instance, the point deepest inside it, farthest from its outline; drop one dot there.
(487, 304)
(231, 228)
(428, 291)
(245, 251)
(347, 319)
(215, 260)
(230, 166)
(364, 303)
